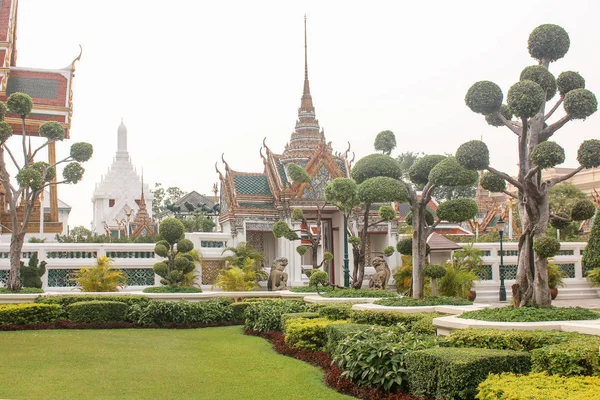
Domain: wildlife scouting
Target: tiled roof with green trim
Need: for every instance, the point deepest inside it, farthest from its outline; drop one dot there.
(252, 184)
(263, 206)
(281, 170)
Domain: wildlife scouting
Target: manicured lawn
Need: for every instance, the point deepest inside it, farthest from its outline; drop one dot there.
(212, 363)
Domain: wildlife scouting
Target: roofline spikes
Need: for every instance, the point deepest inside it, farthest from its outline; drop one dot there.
(219, 172)
(224, 162)
(265, 145)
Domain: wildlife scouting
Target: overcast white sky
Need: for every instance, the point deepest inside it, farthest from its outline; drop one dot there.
(193, 79)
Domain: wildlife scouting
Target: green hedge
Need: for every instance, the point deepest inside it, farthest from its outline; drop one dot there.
(425, 301)
(308, 333)
(338, 332)
(356, 293)
(239, 310)
(418, 322)
(97, 311)
(509, 386)
(512, 339)
(24, 290)
(577, 356)
(265, 316)
(28, 313)
(336, 311)
(172, 289)
(182, 312)
(287, 317)
(531, 314)
(311, 289)
(455, 373)
(65, 300)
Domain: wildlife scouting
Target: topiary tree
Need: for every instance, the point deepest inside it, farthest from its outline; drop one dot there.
(376, 181)
(299, 175)
(591, 254)
(173, 246)
(385, 142)
(526, 100)
(23, 189)
(564, 199)
(430, 173)
(33, 271)
(434, 272)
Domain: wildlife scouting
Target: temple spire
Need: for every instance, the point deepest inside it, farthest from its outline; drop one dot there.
(143, 199)
(306, 104)
(305, 52)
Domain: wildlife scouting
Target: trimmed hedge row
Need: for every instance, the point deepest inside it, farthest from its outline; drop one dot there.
(509, 386)
(512, 339)
(425, 301)
(265, 316)
(338, 332)
(455, 373)
(182, 312)
(97, 311)
(577, 356)
(418, 323)
(285, 318)
(337, 311)
(64, 301)
(531, 314)
(28, 313)
(308, 333)
(356, 293)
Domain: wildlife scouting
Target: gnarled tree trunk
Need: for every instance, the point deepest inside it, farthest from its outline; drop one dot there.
(419, 248)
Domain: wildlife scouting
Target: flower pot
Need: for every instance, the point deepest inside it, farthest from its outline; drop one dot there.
(553, 293)
(472, 295)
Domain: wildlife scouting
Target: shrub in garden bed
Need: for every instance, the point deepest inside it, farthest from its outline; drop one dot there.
(311, 289)
(576, 356)
(513, 339)
(538, 386)
(25, 290)
(28, 313)
(425, 301)
(454, 373)
(531, 314)
(357, 293)
(172, 289)
(308, 333)
(420, 322)
(239, 310)
(338, 332)
(97, 311)
(336, 311)
(265, 316)
(65, 300)
(182, 312)
(287, 317)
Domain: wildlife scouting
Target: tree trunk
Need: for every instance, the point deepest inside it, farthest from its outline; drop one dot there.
(314, 248)
(16, 246)
(355, 263)
(419, 248)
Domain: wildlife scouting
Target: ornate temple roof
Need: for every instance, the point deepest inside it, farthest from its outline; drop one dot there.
(143, 223)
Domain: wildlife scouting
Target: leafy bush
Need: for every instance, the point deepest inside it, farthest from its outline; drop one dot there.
(355, 293)
(578, 356)
(336, 311)
(182, 312)
(425, 301)
(265, 316)
(97, 311)
(32, 273)
(28, 313)
(308, 333)
(531, 314)
(172, 289)
(538, 386)
(457, 282)
(311, 289)
(238, 279)
(287, 317)
(23, 290)
(512, 339)
(65, 300)
(455, 373)
(338, 332)
(102, 277)
(376, 356)
(419, 322)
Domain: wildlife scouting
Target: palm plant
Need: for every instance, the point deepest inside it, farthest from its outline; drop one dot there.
(102, 277)
(594, 276)
(242, 252)
(469, 258)
(457, 282)
(236, 279)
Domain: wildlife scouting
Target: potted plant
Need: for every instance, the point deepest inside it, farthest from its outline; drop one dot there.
(555, 279)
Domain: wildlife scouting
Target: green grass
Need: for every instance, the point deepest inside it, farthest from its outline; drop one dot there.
(212, 363)
(425, 301)
(531, 314)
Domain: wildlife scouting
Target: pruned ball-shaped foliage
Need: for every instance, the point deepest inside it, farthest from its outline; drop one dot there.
(297, 214)
(492, 182)
(48, 172)
(582, 210)
(450, 173)
(291, 235)
(301, 250)
(387, 213)
(569, 80)
(560, 223)
(419, 171)
(382, 189)
(484, 97)
(327, 256)
(376, 165)
(30, 178)
(354, 240)
(385, 142)
(540, 75)
(580, 103)
(473, 155)
(404, 247)
(164, 243)
(588, 154)
(388, 251)
(2, 111)
(457, 210)
(548, 41)
(280, 229)
(546, 246)
(297, 174)
(318, 277)
(161, 250)
(429, 219)
(5, 131)
(19, 103)
(342, 193)
(525, 98)
(53, 131)
(493, 118)
(185, 245)
(73, 172)
(81, 151)
(434, 271)
(548, 154)
(172, 230)
(160, 268)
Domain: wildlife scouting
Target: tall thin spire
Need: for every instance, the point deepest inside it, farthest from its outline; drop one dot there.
(306, 103)
(305, 52)
(143, 199)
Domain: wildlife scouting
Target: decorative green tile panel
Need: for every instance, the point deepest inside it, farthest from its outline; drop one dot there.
(130, 254)
(486, 275)
(212, 244)
(510, 272)
(565, 252)
(509, 253)
(486, 253)
(568, 270)
(60, 277)
(139, 276)
(281, 170)
(252, 184)
(4, 277)
(262, 206)
(35, 87)
(72, 254)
